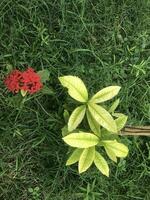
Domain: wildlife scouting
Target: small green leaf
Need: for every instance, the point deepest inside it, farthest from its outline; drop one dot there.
(9, 68)
(114, 105)
(30, 190)
(44, 75)
(76, 117)
(74, 157)
(121, 121)
(117, 114)
(64, 131)
(23, 93)
(101, 164)
(107, 135)
(81, 140)
(86, 159)
(102, 117)
(105, 94)
(119, 149)
(76, 87)
(94, 125)
(66, 115)
(47, 90)
(111, 154)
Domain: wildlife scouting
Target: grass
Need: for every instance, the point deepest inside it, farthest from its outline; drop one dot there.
(104, 42)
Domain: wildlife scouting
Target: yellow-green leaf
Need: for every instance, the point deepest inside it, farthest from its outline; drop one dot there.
(76, 117)
(101, 164)
(86, 159)
(23, 93)
(76, 87)
(119, 149)
(94, 125)
(114, 106)
(121, 121)
(111, 154)
(81, 140)
(117, 114)
(74, 157)
(105, 94)
(103, 117)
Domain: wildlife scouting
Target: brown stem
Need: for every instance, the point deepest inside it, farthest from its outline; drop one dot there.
(136, 130)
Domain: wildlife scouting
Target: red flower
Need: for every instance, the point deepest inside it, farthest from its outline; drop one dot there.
(12, 81)
(28, 81)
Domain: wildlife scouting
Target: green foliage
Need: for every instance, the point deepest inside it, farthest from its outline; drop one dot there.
(44, 74)
(103, 42)
(81, 139)
(74, 156)
(94, 125)
(88, 193)
(96, 116)
(114, 106)
(111, 154)
(23, 93)
(66, 115)
(121, 121)
(76, 87)
(76, 117)
(119, 150)
(101, 164)
(102, 117)
(86, 159)
(35, 193)
(105, 94)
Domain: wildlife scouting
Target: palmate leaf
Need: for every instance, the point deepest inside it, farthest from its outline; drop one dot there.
(101, 164)
(81, 140)
(76, 117)
(76, 87)
(119, 149)
(86, 159)
(102, 117)
(74, 157)
(94, 125)
(105, 94)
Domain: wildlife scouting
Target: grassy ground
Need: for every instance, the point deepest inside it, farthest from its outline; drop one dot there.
(102, 41)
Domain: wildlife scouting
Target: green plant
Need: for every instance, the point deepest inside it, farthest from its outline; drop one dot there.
(103, 128)
(35, 193)
(88, 193)
(82, 40)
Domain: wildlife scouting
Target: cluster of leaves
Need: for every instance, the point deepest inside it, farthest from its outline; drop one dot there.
(104, 127)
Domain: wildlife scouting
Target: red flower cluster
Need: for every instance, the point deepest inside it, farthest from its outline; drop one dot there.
(28, 81)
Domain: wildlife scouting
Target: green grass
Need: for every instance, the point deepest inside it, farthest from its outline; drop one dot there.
(104, 42)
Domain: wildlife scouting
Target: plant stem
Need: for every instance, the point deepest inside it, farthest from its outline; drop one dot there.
(21, 107)
(136, 131)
